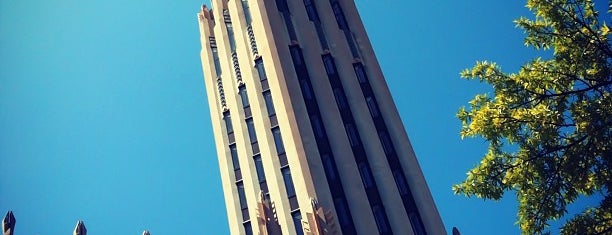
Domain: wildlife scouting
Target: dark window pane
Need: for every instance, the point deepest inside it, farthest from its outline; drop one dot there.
(216, 60)
(230, 35)
(306, 89)
(278, 140)
(372, 106)
(288, 182)
(352, 134)
(328, 62)
(360, 72)
(228, 122)
(247, 12)
(366, 175)
(269, 103)
(261, 175)
(247, 228)
(241, 195)
(339, 16)
(297, 221)
(329, 166)
(296, 55)
(386, 142)
(234, 154)
(381, 219)
(261, 71)
(342, 211)
(311, 10)
(417, 226)
(251, 130)
(340, 98)
(243, 96)
(402, 186)
(317, 126)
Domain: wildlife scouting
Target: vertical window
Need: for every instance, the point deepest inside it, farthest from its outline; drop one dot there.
(339, 16)
(247, 228)
(241, 196)
(234, 154)
(261, 71)
(311, 10)
(360, 72)
(251, 130)
(402, 186)
(330, 67)
(306, 89)
(230, 35)
(329, 166)
(386, 142)
(417, 226)
(372, 106)
(381, 219)
(288, 182)
(296, 54)
(340, 98)
(216, 60)
(228, 122)
(366, 175)
(342, 211)
(243, 96)
(352, 134)
(269, 104)
(297, 221)
(261, 175)
(317, 126)
(278, 140)
(247, 12)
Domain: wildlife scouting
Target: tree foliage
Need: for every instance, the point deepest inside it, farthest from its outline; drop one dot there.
(549, 126)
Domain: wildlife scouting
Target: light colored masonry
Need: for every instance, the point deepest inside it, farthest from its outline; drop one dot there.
(308, 138)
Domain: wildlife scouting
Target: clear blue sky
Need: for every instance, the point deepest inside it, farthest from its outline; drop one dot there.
(104, 117)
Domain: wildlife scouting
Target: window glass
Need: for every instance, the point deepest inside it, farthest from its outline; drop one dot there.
(228, 122)
(278, 140)
(243, 96)
(230, 36)
(329, 166)
(339, 16)
(296, 54)
(352, 134)
(261, 175)
(372, 107)
(402, 186)
(366, 175)
(386, 142)
(340, 98)
(381, 219)
(247, 12)
(234, 154)
(251, 130)
(306, 89)
(261, 71)
(317, 126)
(417, 226)
(216, 60)
(330, 67)
(311, 10)
(342, 211)
(297, 221)
(360, 72)
(247, 228)
(288, 181)
(269, 104)
(241, 195)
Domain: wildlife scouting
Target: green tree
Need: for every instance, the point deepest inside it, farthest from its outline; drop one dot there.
(549, 126)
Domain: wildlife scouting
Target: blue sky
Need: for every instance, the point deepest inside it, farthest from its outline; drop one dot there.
(104, 118)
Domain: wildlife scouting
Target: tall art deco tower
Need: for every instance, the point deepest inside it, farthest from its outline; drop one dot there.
(308, 137)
